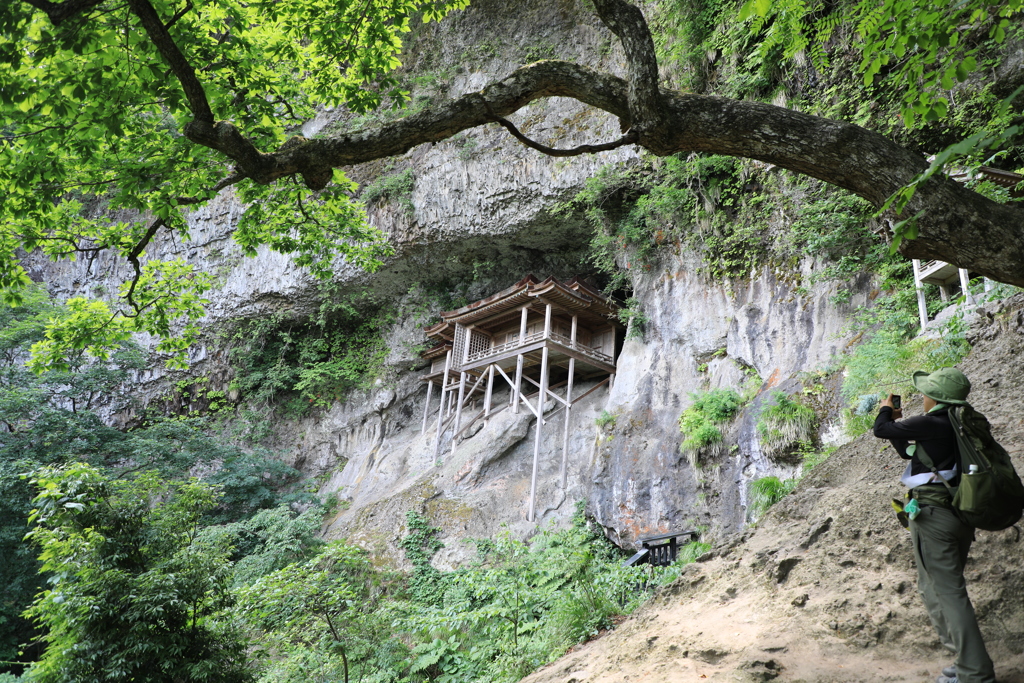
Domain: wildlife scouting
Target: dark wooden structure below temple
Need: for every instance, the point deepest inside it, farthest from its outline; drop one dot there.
(659, 551)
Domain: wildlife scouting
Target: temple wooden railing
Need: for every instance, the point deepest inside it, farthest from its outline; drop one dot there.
(562, 339)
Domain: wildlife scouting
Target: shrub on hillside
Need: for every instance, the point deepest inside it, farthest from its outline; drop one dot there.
(766, 492)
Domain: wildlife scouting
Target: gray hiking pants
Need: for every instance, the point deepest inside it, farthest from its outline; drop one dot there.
(941, 543)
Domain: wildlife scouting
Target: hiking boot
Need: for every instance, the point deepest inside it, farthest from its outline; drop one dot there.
(947, 679)
(949, 671)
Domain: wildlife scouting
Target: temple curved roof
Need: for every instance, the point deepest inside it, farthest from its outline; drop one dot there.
(573, 296)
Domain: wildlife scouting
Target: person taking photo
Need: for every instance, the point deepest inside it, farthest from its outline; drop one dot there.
(941, 540)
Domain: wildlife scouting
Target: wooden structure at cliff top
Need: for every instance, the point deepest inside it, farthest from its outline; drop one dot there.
(522, 335)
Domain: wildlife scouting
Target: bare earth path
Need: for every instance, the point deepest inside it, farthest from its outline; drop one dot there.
(824, 588)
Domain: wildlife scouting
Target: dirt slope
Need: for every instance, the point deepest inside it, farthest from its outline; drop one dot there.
(824, 588)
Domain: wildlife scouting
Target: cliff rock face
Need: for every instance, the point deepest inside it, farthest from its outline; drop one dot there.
(373, 455)
(758, 336)
(482, 199)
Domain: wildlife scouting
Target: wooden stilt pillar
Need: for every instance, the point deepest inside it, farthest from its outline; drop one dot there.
(458, 404)
(488, 391)
(540, 426)
(965, 286)
(426, 406)
(565, 428)
(440, 408)
(611, 378)
(568, 403)
(922, 305)
(517, 389)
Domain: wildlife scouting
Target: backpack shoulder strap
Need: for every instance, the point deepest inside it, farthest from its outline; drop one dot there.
(927, 461)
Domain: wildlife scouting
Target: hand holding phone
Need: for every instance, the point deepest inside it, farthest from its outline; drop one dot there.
(893, 401)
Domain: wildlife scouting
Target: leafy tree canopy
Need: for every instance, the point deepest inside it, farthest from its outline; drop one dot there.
(120, 115)
(98, 97)
(921, 50)
(48, 420)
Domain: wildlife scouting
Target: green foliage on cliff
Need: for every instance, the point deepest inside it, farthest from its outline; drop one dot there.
(736, 216)
(766, 492)
(701, 423)
(884, 363)
(426, 585)
(783, 424)
(396, 187)
(890, 350)
(298, 364)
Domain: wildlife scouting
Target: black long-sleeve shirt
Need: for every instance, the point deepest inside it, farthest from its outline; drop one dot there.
(932, 431)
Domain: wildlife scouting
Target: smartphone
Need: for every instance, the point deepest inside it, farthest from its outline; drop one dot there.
(896, 401)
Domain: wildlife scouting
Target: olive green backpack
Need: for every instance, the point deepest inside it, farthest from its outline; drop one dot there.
(990, 495)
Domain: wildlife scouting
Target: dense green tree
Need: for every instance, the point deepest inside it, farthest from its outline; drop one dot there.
(325, 619)
(44, 419)
(271, 540)
(155, 106)
(133, 591)
(47, 420)
(80, 385)
(19, 569)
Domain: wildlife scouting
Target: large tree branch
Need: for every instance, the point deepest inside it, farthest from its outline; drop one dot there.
(628, 139)
(627, 22)
(958, 225)
(314, 159)
(133, 258)
(158, 32)
(221, 136)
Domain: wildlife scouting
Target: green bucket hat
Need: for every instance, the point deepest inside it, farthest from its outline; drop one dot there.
(945, 385)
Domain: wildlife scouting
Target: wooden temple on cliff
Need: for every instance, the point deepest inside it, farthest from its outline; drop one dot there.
(538, 337)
